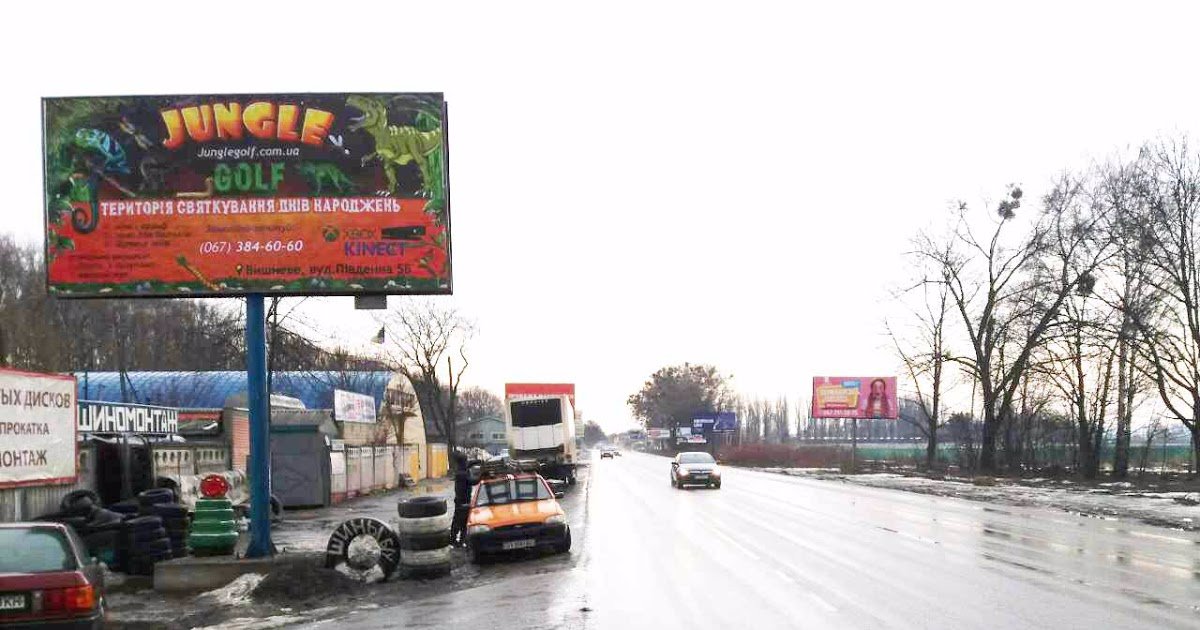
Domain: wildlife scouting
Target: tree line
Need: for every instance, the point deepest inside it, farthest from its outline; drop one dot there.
(1061, 321)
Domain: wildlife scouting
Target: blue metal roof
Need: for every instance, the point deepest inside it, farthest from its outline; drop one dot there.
(210, 390)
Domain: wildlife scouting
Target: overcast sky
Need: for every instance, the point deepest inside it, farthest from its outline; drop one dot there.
(644, 184)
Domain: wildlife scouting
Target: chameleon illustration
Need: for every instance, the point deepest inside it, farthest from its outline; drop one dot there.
(100, 143)
(399, 145)
(321, 174)
(97, 156)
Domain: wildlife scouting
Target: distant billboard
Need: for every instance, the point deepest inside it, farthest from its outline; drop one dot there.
(855, 397)
(228, 194)
(655, 433)
(37, 429)
(533, 390)
(352, 407)
(725, 421)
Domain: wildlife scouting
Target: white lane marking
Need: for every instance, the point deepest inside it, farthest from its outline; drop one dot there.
(783, 574)
(743, 548)
(820, 601)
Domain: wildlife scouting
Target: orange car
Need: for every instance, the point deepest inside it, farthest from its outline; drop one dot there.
(516, 511)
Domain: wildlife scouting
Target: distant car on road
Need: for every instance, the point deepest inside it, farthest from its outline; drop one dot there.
(511, 512)
(609, 451)
(47, 579)
(695, 469)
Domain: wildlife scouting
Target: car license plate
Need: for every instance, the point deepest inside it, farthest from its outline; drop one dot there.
(10, 603)
(518, 544)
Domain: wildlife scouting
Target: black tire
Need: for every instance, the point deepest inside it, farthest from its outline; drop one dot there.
(477, 556)
(421, 507)
(169, 510)
(155, 496)
(177, 532)
(565, 545)
(124, 507)
(102, 540)
(78, 523)
(180, 552)
(75, 497)
(153, 548)
(141, 523)
(146, 535)
(424, 542)
(102, 517)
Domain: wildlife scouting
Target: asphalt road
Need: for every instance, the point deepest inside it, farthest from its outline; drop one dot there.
(769, 551)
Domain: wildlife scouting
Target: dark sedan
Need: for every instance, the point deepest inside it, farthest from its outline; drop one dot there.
(695, 469)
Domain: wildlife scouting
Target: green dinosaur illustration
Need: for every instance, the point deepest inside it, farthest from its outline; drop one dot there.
(321, 174)
(398, 145)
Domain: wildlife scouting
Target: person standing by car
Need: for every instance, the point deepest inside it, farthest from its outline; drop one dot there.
(462, 499)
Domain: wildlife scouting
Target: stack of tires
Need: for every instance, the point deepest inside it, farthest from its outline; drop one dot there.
(424, 530)
(214, 531)
(144, 542)
(99, 528)
(160, 502)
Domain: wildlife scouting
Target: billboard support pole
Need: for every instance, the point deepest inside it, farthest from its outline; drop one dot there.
(257, 396)
(853, 445)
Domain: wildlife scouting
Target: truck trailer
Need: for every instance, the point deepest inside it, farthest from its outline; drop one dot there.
(542, 429)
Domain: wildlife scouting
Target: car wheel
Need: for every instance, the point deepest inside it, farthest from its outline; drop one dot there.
(565, 545)
(477, 556)
(717, 485)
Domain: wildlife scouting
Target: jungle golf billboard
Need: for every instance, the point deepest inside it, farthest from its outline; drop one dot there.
(851, 397)
(285, 194)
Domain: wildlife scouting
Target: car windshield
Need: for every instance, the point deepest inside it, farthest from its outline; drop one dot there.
(696, 458)
(504, 491)
(36, 550)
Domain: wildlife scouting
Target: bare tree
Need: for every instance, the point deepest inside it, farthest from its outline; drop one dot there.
(1172, 328)
(428, 342)
(925, 361)
(1008, 291)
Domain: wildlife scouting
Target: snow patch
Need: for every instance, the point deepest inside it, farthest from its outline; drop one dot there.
(236, 593)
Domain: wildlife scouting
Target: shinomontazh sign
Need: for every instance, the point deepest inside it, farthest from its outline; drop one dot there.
(37, 429)
(100, 417)
(287, 194)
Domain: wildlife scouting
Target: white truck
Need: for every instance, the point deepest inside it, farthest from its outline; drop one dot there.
(542, 428)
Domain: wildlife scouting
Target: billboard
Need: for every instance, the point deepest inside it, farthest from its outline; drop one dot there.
(37, 429)
(102, 417)
(286, 194)
(531, 390)
(721, 422)
(655, 433)
(855, 397)
(352, 407)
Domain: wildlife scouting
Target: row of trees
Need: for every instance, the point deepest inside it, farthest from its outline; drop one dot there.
(1081, 311)
(423, 339)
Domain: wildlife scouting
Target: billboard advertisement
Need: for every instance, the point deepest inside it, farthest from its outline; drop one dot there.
(37, 429)
(352, 407)
(855, 397)
(286, 194)
(721, 422)
(102, 417)
(532, 390)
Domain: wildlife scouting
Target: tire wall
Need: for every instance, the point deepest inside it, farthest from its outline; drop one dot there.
(22, 504)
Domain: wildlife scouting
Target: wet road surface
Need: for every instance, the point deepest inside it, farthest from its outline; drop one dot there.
(770, 551)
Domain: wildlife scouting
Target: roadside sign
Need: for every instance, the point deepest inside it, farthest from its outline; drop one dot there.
(352, 407)
(37, 429)
(234, 194)
(855, 397)
(722, 422)
(102, 417)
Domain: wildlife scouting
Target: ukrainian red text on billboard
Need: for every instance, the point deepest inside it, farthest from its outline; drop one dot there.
(855, 397)
(289, 194)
